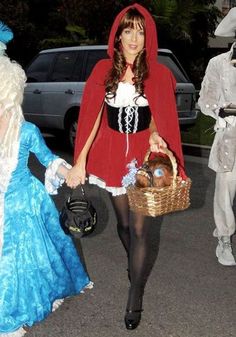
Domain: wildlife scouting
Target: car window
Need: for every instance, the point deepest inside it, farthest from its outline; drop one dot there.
(63, 67)
(176, 70)
(39, 68)
(77, 72)
(93, 57)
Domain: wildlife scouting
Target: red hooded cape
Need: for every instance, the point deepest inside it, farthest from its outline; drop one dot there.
(106, 156)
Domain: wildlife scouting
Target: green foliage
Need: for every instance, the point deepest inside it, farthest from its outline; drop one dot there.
(177, 16)
(201, 133)
(76, 29)
(183, 26)
(55, 43)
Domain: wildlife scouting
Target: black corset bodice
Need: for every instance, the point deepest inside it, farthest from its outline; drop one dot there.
(129, 119)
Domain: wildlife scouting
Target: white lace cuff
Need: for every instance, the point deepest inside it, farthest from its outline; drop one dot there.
(52, 179)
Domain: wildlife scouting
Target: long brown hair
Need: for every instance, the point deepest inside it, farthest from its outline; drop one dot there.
(131, 19)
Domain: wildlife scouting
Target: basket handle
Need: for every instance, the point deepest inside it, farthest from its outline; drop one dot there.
(172, 160)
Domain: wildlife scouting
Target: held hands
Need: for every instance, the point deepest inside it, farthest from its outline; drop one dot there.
(76, 175)
(63, 170)
(157, 143)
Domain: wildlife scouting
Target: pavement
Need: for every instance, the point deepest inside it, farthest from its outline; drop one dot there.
(196, 150)
(188, 294)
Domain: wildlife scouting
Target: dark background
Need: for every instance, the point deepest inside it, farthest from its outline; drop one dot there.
(183, 26)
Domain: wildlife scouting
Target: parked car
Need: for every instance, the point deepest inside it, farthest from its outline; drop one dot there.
(56, 79)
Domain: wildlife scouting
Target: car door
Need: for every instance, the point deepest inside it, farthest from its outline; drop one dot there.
(185, 90)
(63, 87)
(92, 56)
(37, 75)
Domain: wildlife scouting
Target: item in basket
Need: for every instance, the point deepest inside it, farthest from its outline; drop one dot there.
(152, 201)
(156, 172)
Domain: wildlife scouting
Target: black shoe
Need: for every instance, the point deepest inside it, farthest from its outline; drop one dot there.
(132, 318)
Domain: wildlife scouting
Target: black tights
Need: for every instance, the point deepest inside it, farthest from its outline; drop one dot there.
(135, 234)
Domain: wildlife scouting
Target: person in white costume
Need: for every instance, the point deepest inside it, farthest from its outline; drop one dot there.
(218, 100)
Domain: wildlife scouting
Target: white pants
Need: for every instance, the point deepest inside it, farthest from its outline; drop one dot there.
(225, 189)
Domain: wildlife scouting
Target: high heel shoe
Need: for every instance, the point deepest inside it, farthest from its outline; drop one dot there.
(134, 308)
(132, 318)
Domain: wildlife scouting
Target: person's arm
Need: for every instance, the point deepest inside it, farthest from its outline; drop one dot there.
(156, 142)
(56, 168)
(77, 173)
(209, 95)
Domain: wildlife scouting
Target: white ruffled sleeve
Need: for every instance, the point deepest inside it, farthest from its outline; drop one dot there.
(53, 180)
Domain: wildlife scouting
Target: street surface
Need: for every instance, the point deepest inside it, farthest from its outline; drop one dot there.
(188, 293)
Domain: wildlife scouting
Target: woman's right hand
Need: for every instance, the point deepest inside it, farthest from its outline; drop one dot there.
(156, 142)
(76, 175)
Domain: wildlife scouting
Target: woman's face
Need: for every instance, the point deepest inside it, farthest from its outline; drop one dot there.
(132, 40)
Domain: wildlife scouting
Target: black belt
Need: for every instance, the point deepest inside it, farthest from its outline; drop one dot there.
(226, 112)
(130, 119)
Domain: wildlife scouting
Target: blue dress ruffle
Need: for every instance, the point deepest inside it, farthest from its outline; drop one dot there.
(39, 263)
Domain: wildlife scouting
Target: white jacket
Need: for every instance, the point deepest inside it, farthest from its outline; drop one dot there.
(218, 90)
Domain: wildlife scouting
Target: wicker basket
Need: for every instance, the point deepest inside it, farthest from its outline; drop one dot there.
(155, 201)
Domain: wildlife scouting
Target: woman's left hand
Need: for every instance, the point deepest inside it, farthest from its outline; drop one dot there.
(156, 142)
(76, 175)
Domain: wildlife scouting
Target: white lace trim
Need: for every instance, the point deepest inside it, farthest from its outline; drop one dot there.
(52, 179)
(7, 166)
(115, 191)
(18, 333)
(131, 112)
(57, 303)
(88, 286)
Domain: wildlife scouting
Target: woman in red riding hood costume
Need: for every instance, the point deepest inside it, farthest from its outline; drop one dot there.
(128, 106)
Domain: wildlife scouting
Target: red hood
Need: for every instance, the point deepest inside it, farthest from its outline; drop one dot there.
(151, 34)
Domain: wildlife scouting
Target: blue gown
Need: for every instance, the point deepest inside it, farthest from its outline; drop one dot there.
(39, 263)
